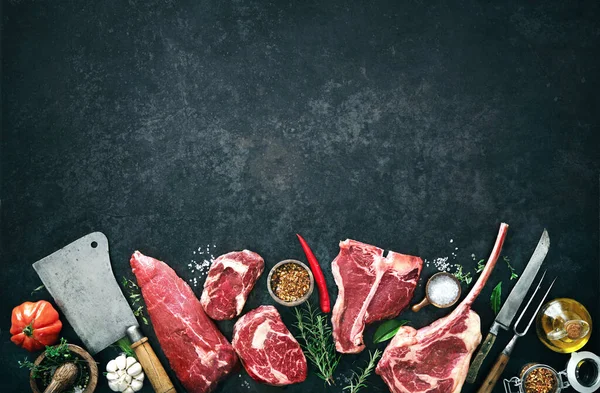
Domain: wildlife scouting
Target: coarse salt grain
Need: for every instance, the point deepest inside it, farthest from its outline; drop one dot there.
(442, 290)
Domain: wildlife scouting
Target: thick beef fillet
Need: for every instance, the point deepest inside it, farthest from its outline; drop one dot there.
(197, 351)
(230, 279)
(435, 359)
(370, 288)
(267, 349)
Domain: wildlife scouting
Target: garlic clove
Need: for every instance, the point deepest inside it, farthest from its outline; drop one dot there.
(113, 385)
(112, 376)
(136, 385)
(135, 369)
(120, 373)
(139, 377)
(128, 390)
(128, 378)
(129, 361)
(111, 367)
(121, 361)
(122, 385)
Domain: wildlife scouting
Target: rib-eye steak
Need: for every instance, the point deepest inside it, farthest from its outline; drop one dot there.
(435, 358)
(197, 351)
(267, 349)
(370, 288)
(230, 279)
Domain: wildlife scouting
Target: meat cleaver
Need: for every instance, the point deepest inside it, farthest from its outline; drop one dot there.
(81, 281)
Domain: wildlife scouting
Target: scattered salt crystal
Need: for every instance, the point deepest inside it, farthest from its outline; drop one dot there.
(451, 240)
(442, 290)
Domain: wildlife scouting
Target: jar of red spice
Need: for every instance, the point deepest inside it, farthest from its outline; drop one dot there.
(582, 374)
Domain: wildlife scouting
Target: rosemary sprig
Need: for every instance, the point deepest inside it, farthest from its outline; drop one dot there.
(125, 346)
(513, 275)
(135, 299)
(315, 339)
(359, 379)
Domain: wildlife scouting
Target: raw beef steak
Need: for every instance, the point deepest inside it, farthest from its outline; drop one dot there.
(370, 288)
(229, 281)
(267, 349)
(197, 351)
(435, 359)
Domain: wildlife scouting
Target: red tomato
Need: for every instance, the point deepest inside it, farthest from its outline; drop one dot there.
(35, 325)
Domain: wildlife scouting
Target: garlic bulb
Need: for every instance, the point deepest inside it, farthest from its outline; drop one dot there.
(124, 374)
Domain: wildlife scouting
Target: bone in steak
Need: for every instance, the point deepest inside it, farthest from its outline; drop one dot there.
(435, 358)
(197, 351)
(229, 281)
(370, 288)
(267, 349)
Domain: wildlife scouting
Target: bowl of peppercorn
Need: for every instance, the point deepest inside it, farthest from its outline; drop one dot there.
(290, 282)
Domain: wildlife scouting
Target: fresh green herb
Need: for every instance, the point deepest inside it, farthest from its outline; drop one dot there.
(462, 277)
(513, 275)
(38, 289)
(388, 330)
(55, 356)
(125, 346)
(359, 379)
(480, 266)
(135, 299)
(496, 298)
(316, 340)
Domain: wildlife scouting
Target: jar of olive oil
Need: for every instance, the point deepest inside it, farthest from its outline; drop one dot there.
(564, 325)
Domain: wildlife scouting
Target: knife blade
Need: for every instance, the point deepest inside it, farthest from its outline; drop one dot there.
(80, 279)
(512, 304)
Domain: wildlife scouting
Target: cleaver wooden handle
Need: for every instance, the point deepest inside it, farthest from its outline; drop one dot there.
(152, 367)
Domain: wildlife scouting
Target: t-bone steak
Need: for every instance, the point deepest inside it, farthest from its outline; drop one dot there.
(435, 358)
(230, 279)
(197, 351)
(267, 349)
(370, 288)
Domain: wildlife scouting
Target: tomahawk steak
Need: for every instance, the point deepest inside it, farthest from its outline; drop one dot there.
(230, 279)
(197, 351)
(435, 359)
(370, 288)
(267, 349)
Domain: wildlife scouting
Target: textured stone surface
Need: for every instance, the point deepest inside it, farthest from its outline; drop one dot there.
(173, 125)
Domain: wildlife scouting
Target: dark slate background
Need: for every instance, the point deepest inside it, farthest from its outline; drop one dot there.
(172, 125)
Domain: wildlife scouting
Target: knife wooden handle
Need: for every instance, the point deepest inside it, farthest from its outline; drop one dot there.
(494, 375)
(152, 367)
(481, 354)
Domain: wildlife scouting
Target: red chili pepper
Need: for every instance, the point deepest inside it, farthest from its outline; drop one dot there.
(318, 274)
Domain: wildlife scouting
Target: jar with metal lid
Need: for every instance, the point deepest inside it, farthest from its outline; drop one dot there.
(582, 373)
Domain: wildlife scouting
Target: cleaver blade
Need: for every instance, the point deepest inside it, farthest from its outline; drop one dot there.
(80, 279)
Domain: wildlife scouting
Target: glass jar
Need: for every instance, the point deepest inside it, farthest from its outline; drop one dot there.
(582, 373)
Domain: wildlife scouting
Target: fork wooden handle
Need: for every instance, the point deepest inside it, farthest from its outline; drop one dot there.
(494, 375)
(481, 355)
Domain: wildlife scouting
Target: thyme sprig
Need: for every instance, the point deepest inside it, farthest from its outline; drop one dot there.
(315, 337)
(513, 275)
(359, 378)
(135, 299)
(461, 276)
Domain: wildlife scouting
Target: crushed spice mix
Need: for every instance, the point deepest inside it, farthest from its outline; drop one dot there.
(540, 380)
(290, 282)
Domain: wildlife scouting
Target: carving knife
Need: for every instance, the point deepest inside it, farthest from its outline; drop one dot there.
(512, 304)
(81, 281)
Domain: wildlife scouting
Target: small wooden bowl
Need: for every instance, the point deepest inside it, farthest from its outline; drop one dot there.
(426, 301)
(91, 363)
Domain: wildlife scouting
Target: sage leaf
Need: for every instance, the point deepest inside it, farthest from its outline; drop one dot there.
(388, 330)
(496, 298)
